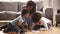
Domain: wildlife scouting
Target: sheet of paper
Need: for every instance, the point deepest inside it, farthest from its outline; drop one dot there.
(43, 29)
(34, 31)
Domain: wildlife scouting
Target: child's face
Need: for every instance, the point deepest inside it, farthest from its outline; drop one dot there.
(26, 16)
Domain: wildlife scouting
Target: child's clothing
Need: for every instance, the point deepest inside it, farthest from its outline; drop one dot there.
(19, 18)
(12, 25)
(9, 27)
(46, 22)
(37, 27)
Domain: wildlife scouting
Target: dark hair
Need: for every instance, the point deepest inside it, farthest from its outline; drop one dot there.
(25, 11)
(36, 17)
(31, 3)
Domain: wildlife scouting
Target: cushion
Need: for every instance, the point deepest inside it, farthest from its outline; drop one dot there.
(49, 13)
(39, 5)
(11, 15)
(2, 16)
(58, 17)
(42, 13)
(20, 4)
(8, 6)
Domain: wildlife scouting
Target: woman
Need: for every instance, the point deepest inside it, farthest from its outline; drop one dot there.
(31, 6)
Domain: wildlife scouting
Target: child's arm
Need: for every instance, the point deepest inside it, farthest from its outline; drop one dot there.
(44, 24)
(15, 20)
(18, 23)
(41, 22)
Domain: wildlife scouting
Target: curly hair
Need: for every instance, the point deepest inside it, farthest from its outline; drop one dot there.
(36, 17)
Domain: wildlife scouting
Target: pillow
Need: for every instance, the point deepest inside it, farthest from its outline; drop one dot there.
(11, 15)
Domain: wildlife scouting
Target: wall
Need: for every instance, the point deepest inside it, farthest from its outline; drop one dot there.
(55, 7)
(58, 4)
(55, 4)
(47, 3)
(14, 0)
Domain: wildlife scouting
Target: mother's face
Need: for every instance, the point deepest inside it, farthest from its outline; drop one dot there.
(30, 7)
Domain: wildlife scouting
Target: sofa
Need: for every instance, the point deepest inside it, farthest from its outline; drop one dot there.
(49, 14)
(11, 10)
(57, 18)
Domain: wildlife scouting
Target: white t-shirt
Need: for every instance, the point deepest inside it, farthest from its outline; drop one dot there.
(45, 21)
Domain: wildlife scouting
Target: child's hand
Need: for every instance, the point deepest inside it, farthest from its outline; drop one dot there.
(30, 28)
(22, 25)
(17, 23)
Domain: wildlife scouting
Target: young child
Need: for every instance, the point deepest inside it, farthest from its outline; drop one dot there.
(36, 20)
(16, 23)
(39, 22)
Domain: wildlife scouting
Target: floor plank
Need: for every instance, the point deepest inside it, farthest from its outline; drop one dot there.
(53, 30)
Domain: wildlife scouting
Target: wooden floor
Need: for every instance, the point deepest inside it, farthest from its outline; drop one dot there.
(53, 30)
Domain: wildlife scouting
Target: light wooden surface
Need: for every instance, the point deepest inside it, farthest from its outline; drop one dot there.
(1, 32)
(53, 30)
(3, 21)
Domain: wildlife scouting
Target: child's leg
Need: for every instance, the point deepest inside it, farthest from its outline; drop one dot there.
(48, 25)
(11, 27)
(37, 27)
(4, 26)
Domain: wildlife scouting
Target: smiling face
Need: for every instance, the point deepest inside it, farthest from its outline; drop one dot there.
(30, 7)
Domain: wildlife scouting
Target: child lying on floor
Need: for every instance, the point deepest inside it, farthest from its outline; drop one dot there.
(39, 22)
(17, 23)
